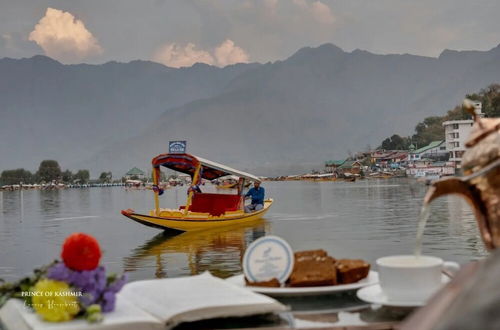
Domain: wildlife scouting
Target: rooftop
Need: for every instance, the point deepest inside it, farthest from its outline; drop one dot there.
(334, 162)
(464, 121)
(349, 163)
(135, 171)
(431, 145)
(390, 154)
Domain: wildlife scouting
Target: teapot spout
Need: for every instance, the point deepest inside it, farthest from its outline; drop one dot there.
(470, 194)
(445, 187)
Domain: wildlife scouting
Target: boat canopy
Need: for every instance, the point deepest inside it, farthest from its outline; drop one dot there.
(187, 163)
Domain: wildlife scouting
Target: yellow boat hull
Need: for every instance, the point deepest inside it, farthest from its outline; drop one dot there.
(192, 221)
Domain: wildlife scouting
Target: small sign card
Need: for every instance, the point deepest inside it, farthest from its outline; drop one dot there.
(267, 258)
(177, 147)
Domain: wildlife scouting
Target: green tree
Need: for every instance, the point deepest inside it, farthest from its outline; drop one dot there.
(16, 176)
(458, 113)
(82, 176)
(386, 144)
(395, 142)
(490, 99)
(105, 177)
(49, 170)
(431, 128)
(67, 176)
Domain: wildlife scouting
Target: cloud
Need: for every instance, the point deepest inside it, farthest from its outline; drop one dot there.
(177, 56)
(63, 37)
(318, 10)
(322, 12)
(228, 53)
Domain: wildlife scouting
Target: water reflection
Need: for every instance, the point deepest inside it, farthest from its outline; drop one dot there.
(463, 225)
(218, 250)
(313, 193)
(50, 202)
(364, 219)
(11, 203)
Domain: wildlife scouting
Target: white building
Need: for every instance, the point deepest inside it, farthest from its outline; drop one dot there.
(456, 134)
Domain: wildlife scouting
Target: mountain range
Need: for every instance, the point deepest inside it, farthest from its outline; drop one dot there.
(320, 103)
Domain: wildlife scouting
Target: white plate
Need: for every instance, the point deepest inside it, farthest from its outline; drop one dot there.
(373, 294)
(371, 279)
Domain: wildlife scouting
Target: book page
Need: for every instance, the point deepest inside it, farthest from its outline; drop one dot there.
(126, 316)
(195, 298)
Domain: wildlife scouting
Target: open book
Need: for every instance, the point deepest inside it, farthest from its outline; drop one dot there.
(157, 304)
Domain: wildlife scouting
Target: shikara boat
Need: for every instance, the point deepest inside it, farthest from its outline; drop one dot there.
(202, 210)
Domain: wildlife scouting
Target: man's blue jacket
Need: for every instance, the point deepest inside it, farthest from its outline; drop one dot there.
(257, 195)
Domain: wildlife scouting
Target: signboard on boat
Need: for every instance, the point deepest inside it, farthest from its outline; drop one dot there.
(177, 147)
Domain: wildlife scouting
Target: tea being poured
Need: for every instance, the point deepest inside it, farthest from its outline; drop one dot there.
(424, 216)
(481, 184)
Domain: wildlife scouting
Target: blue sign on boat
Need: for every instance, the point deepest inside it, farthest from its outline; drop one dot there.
(177, 147)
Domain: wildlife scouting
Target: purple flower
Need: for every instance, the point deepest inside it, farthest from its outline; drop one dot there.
(59, 272)
(108, 298)
(108, 301)
(118, 284)
(92, 283)
(89, 298)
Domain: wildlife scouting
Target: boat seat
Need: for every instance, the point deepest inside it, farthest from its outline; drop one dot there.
(215, 204)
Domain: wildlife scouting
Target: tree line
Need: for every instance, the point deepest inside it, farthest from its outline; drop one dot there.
(49, 171)
(431, 128)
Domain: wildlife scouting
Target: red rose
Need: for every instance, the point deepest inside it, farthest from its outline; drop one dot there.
(81, 252)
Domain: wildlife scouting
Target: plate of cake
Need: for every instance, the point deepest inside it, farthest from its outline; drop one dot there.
(315, 273)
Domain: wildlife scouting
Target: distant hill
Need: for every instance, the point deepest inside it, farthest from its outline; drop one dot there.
(285, 116)
(318, 104)
(70, 112)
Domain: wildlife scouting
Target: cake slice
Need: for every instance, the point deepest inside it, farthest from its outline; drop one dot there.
(351, 270)
(310, 253)
(313, 270)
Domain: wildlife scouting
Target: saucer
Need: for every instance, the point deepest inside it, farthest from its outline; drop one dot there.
(374, 294)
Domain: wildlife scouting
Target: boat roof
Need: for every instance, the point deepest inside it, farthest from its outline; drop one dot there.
(187, 163)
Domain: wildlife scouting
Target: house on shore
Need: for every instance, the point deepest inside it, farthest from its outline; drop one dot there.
(431, 160)
(426, 167)
(436, 150)
(135, 173)
(389, 158)
(332, 165)
(352, 167)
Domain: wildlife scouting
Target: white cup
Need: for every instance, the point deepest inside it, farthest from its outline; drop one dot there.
(412, 278)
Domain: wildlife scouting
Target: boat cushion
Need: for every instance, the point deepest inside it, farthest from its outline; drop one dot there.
(215, 204)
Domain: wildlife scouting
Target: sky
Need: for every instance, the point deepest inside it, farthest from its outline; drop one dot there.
(180, 33)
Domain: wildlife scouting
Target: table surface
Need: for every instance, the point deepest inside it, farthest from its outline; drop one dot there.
(343, 310)
(334, 311)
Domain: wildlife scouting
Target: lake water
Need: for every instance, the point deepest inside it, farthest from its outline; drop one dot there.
(365, 219)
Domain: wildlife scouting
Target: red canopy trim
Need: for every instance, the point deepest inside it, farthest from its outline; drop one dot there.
(186, 163)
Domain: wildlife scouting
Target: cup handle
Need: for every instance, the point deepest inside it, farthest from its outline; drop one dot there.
(451, 268)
